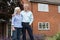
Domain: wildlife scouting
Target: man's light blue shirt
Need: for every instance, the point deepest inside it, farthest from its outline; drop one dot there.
(17, 21)
(27, 16)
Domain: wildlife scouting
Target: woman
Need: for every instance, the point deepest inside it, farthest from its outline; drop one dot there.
(16, 24)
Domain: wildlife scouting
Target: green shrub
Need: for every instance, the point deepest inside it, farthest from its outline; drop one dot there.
(58, 36)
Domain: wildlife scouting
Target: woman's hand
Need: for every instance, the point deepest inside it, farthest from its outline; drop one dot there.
(12, 28)
(13, 15)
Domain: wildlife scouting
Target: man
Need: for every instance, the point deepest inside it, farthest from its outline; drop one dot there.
(27, 19)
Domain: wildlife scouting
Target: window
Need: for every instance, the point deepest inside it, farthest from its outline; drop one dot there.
(43, 7)
(58, 9)
(43, 26)
(29, 0)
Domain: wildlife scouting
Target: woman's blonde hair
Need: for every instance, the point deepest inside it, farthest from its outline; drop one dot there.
(15, 10)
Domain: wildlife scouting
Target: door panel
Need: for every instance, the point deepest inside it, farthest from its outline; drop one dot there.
(2, 30)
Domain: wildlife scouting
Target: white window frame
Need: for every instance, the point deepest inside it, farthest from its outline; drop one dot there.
(43, 7)
(42, 26)
(28, 0)
(58, 9)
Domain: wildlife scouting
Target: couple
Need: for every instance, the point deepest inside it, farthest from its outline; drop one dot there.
(22, 20)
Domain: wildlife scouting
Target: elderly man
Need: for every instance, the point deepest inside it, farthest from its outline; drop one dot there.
(27, 19)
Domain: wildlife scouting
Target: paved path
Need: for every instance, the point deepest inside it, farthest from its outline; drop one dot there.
(36, 37)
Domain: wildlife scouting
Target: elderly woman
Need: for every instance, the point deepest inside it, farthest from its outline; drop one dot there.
(16, 24)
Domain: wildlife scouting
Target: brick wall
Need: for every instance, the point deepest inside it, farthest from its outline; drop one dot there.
(53, 17)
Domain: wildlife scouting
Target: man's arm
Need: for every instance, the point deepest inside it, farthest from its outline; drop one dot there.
(31, 18)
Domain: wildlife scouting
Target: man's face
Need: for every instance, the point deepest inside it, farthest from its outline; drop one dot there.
(26, 8)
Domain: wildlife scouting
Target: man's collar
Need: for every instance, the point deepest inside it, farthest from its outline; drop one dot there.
(26, 11)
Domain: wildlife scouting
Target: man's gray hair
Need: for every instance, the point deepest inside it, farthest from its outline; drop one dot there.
(26, 5)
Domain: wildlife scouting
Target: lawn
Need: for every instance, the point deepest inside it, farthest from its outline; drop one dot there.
(55, 37)
(51, 38)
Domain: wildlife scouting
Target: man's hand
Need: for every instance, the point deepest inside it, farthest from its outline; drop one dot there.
(30, 24)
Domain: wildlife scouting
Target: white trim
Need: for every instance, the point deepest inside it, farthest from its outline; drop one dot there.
(28, 0)
(6, 30)
(58, 9)
(11, 28)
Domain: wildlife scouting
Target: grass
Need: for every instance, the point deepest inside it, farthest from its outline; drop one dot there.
(55, 37)
(51, 38)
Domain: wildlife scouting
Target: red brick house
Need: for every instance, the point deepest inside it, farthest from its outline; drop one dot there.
(46, 16)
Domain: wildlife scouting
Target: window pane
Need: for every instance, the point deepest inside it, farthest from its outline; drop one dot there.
(43, 7)
(47, 25)
(40, 26)
(43, 25)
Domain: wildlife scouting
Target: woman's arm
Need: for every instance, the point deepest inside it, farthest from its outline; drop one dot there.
(12, 23)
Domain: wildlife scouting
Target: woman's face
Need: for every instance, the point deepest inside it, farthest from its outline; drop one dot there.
(18, 11)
